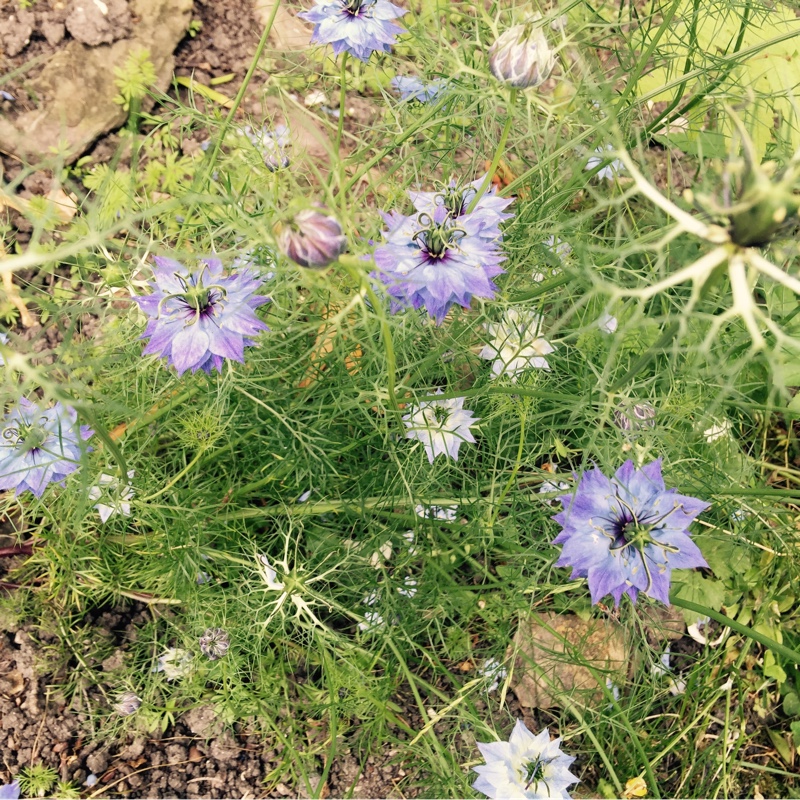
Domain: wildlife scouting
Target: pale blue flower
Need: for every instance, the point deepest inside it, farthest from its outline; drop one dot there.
(415, 89)
(611, 171)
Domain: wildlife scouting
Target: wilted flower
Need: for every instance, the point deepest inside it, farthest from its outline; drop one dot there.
(39, 446)
(718, 430)
(174, 662)
(127, 703)
(448, 513)
(526, 766)
(269, 575)
(627, 533)
(312, 239)
(10, 791)
(611, 171)
(607, 323)
(415, 89)
(441, 425)
(522, 57)
(272, 144)
(493, 671)
(437, 261)
(214, 643)
(200, 318)
(516, 344)
(636, 417)
(118, 499)
(358, 27)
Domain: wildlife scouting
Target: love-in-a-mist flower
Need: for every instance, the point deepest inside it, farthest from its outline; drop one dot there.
(626, 534)
(40, 446)
(127, 703)
(358, 27)
(421, 91)
(198, 318)
(526, 766)
(611, 170)
(441, 425)
(522, 57)
(116, 498)
(273, 145)
(174, 662)
(516, 344)
(214, 643)
(607, 323)
(437, 261)
(10, 791)
(312, 239)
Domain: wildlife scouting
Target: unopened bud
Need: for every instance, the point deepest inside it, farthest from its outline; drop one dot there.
(522, 57)
(636, 417)
(312, 239)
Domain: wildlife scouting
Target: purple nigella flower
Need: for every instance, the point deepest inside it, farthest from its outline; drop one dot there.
(358, 27)
(199, 318)
(415, 89)
(441, 425)
(437, 261)
(39, 446)
(627, 533)
(9, 791)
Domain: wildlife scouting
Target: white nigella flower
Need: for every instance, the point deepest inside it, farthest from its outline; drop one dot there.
(409, 587)
(549, 487)
(447, 513)
(516, 344)
(441, 425)
(382, 554)
(372, 621)
(174, 663)
(117, 498)
(410, 537)
(611, 171)
(269, 575)
(718, 430)
(739, 515)
(557, 246)
(493, 671)
(607, 323)
(526, 766)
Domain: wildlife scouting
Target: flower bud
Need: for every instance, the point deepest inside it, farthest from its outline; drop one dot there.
(312, 239)
(522, 57)
(128, 703)
(636, 417)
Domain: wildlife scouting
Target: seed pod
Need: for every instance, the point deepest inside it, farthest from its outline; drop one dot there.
(312, 239)
(522, 57)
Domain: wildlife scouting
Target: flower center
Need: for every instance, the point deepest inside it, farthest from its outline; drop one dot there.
(454, 199)
(199, 298)
(355, 7)
(441, 415)
(436, 238)
(28, 437)
(533, 771)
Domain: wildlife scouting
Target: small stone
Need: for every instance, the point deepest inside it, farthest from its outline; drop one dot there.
(15, 32)
(97, 762)
(54, 32)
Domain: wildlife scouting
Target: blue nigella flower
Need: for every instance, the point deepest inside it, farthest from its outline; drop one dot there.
(415, 89)
(39, 446)
(442, 255)
(9, 791)
(626, 534)
(358, 27)
(199, 318)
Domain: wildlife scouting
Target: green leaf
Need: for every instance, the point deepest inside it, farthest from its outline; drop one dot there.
(692, 586)
(791, 705)
(781, 745)
(705, 144)
(795, 728)
(726, 557)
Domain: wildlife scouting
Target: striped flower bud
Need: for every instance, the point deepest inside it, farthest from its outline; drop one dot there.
(522, 57)
(312, 239)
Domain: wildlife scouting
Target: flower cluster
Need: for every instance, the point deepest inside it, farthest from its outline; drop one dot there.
(39, 446)
(199, 318)
(626, 534)
(446, 253)
(358, 27)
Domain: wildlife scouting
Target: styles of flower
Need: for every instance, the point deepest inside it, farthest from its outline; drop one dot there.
(198, 318)
(442, 255)
(413, 89)
(40, 446)
(358, 27)
(312, 239)
(516, 344)
(441, 425)
(626, 534)
(117, 497)
(522, 57)
(214, 643)
(526, 766)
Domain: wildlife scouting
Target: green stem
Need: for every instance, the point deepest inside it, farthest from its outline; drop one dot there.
(169, 485)
(498, 153)
(337, 154)
(791, 655)
(514, 470)
(262, 43)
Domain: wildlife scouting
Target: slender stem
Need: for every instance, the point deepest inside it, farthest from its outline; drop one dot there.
(498, 153)
(183, 472)
(262, 43)
(514, 469)
(342, 101)
(792, 655)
